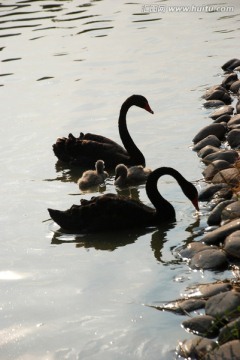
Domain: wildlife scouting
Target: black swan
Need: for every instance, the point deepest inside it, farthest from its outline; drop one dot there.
(130, 176)
(92, 178)
(114, 212)
(87, 149)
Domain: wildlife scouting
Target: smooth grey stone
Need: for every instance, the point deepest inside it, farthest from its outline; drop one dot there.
(231, 64)
(234, 120)
(231, 211)
(228, 155)
(233, 138)
(232, 244)
(223, 118)
(203, 325)
(215, 217)
(218, 130)
(224, 194)
(213, 103)
(213, 88)
(235, 86)
(238, 107)
(224, 305)
(183, 306)
(208, 259)
(230, 176)
(192, 248)
(208, 140)
(229, 79)
(195, 348)
(206, 150)
(218, 235)
(228, 351)
(214, 167)
(208, 290)
(226, 109)
(231, 331)
(207, 193)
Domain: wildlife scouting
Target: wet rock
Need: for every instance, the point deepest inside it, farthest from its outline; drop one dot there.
(230, 176)
(218, 130)
(231, 64)
(224, 194)
(229, 79)
(213, 103)
(192, 248)
(238, 107)
(228, 155)
(232, 244)
(226, 109)
(203, 325)
(207, 193)
(215, 217)
(208, 290)
(212, 89)
(183, 306)
(224, 306)
(208, 140)
(234, 120)
(208, 259)
(219, 94)
(214, 167)
(235, 86)
(195, 348)
(233, 138)
(206, 150)
(231, 211)
(218, 235)
(223, 118)
(231, 331)
(228, 351)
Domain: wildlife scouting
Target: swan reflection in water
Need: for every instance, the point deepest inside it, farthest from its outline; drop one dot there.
(113, 241)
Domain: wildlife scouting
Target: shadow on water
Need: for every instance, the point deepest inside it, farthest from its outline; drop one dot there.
(110, 241)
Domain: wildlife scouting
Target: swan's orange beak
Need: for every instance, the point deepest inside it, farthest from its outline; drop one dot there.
(195, 203)
(147, 107)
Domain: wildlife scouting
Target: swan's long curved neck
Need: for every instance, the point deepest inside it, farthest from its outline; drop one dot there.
(135, 154)
(163, 207)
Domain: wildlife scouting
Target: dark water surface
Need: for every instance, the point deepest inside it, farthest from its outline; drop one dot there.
(66, 66)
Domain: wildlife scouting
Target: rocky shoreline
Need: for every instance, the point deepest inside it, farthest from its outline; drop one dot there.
(213, 310)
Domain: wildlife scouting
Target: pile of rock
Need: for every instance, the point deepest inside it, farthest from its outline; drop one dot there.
(217, 145)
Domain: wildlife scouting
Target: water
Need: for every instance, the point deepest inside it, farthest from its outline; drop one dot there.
(66, 66)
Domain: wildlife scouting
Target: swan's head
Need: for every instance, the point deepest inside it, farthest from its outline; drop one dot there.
(192, 194)
(140, 101)
(100, 166)
(121, 171)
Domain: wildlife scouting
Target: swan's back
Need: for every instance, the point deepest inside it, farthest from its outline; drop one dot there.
(103, 213)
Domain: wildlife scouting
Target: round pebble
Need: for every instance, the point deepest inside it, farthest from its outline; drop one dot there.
(214, 167)
(208, 140)
(232, 244)
(215, 217)
(208, 259)
(224, 306)
(195, 348)
(203, 325)
(230, 176)
(218, 235)
(218, 130)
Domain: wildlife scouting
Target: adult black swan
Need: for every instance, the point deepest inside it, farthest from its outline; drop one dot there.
(87, 149)
(114, 212)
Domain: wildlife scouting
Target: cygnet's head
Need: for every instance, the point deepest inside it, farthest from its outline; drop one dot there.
(100, 166)
(121, 171)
